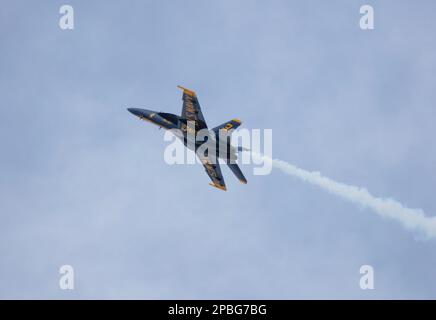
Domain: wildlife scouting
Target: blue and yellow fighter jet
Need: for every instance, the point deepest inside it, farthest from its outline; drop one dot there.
(191, 114)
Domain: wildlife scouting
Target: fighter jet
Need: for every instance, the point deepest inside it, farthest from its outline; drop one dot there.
(191, 120)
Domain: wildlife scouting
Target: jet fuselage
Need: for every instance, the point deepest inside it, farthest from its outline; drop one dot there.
(170, 121)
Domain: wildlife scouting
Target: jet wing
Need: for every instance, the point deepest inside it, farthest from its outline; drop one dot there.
(214, 172)
(191, 110)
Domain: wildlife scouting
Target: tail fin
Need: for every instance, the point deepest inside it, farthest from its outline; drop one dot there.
(229, 125)
(237, 171)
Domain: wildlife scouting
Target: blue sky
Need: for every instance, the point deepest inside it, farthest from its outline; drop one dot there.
(84, 183)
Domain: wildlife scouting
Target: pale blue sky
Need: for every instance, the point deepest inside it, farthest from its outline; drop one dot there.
(84, 183)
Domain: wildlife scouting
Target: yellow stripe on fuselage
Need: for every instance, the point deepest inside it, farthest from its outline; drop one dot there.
(149, 120)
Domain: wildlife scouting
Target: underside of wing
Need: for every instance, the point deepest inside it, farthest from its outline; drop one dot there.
(213, 170)
(191, 110)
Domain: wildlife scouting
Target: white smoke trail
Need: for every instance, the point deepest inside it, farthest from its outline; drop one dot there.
(411, 219)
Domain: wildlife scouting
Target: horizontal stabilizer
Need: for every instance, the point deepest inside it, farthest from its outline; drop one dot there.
(227, 126)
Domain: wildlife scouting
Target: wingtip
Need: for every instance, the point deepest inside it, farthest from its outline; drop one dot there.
(218, 186)
(187, 91)
(237, 121)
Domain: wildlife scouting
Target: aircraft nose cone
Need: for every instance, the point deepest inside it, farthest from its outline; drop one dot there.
(134, 111)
